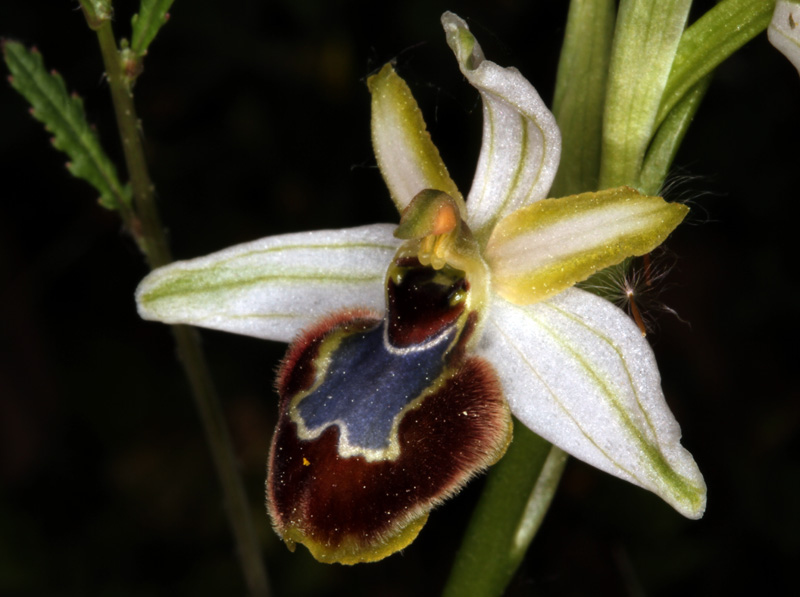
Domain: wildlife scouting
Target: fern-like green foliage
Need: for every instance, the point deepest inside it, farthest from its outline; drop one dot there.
(146, 24)
(62, 115)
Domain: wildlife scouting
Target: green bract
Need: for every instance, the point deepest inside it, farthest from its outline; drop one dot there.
(62, 115)
(573, 367)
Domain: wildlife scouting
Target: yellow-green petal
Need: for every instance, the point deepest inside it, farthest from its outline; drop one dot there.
(408, 159)
(544, 248)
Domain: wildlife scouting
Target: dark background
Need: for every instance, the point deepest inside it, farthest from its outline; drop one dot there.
(256, 121)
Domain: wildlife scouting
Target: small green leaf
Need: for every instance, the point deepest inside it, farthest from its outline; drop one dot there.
(668, 138)
(62, 115)
(710, 40)
(151, 17)
(580, 94)
(645, 42)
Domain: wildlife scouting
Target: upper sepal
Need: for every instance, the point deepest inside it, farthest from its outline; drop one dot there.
(521, 141)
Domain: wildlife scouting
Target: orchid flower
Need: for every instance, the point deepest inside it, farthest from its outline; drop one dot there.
(411, 343)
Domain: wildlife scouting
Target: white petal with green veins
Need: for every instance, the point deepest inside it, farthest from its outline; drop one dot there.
(784, 30)
(521, 141)
(577, 371)
(408, 159)
(544, 248)
(274, 287)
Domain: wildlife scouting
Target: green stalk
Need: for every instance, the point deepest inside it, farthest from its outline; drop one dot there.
(151, 237)
(517, 495)
(150, 231)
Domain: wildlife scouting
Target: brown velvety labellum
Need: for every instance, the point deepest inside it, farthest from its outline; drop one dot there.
(382, 419)
(333, 502)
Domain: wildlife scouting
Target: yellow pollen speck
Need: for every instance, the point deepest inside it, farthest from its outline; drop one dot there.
(306, 461)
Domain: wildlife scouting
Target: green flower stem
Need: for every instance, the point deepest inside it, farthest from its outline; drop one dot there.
(237, 506)
(151, 236)
(149, 230)
(97, 12)
(517, 495)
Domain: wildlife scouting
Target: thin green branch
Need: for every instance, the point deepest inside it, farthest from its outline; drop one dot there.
(190, 354)
(150, 232)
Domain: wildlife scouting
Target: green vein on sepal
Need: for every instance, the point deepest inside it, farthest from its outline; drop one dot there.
(152, 15)
(214, 282)
(62, 115)
(682, 489)
(229, 262)
(230, 273)
(710, 40)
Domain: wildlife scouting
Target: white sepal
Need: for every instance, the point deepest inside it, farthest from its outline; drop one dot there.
(784, 30)
(274, 287)
(521, 140)
(577, 371)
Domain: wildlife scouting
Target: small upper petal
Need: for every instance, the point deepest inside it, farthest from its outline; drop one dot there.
(274, 287)
(521, 141)
(578, 372)
(408, 159)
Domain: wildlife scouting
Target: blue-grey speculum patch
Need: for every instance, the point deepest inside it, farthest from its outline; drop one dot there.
(374, 374)
(366, 386)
